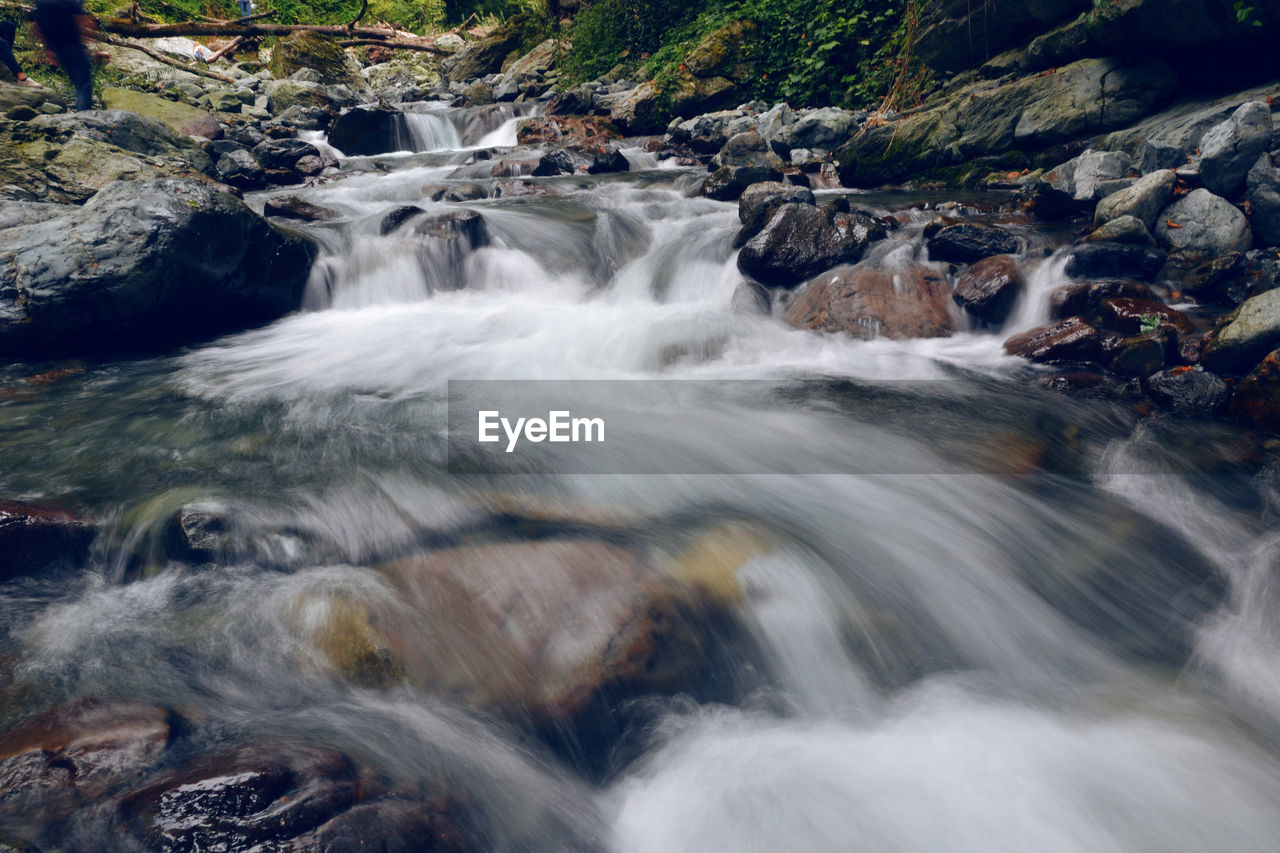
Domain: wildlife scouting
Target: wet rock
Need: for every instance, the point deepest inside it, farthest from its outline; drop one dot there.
(913, 302)
(577, 101)
(292, 207)
(34, 538)
(253, 797)
(1139, 355)
(594, 133)
(802, 240)
(1247, 334)
(744, 160)
(1114, 260)
(284, 95)
(444, 242)
(1066, 341)
(1203, 225)
(751, 298)
(1263, 193)
(1229, 149)
(1130, 314)
(398, 217)
(199, 532)
(1234, 278)
(283, 153)
(989, 288)
(516, 189)
(75, 753)
(400, 824)
(1257, 398)
(579, 160)
(160, 262)
(1142, 200)
(1123, 229)
(241, 169)
(759, 202)
(1187, 390)
(823, 128)
(366, 131)
(970, 242)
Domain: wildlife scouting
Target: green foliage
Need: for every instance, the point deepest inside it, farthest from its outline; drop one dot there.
(1148, 323)
(1246, 15)
(802, 51)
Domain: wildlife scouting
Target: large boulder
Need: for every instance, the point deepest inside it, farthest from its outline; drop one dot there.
(911, 302)
(745, 159)
(759, 202)
(1229, 149)
(187, 120)
(367, 131)
(284, 94)
(1114, 260)
(956, 34)
(1143, 200)
(321, 54)
(1248, 333)
(720, 53)
(527, 74)
(1187, 390)
(989, 288)
(637, 111)
(1075, 185)
(33, 538)
(157, 263)
(802, 240)
(1205, 225)
(1065, 342)
(486, 55)
(1264, 198)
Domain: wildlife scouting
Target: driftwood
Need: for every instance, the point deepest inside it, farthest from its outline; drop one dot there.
(194, 68)
(230, 29)
(232, 45)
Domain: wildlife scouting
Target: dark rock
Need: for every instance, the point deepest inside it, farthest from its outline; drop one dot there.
(398, 217)
(573, 160)
(1084, 299)
(253, 797)
(1066, 341)
(1123, 229)
(989, 288)
(1114, 260)
(572, 102)
(34, 538)
(283, 153)
(446, 240)
(947, 41)
(1129, 314)
(913, 302)
(744, 160)
(198, 532)
(1140, 355)
(1187, 390)
(367, 131)
(516, 189)
(1229, 149)
(759, 202)
(312, 165)
(160, 262)
(1263, 191)
(802, 240)
(1247, 334)
(969, 242)
(1257, 398)
(75, 753)
(1233, 278)
(242, 170)
(399, 824)
(292, 207)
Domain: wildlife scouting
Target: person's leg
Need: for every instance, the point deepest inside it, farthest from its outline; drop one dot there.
(7, 57)
(75, 61)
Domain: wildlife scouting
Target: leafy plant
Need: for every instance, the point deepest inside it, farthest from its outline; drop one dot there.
(1246, 15)
(1148, 323)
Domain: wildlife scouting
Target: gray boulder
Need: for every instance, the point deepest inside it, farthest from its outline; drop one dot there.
(744, 160)
(1250, 332)
(1230, 148)
(802, 240)
(822, 128)
(1122, 229)
(1142, 200)
(1264, 197)
(240, 169)
(1074, 185)
(159, 263)
(1204, 224)
(759, 202)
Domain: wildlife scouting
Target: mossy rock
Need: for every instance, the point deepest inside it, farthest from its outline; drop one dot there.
(723, 53)
(311, 50)
(183, 118)
(893, 152)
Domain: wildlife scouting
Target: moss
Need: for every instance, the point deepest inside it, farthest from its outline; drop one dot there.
(309, 50)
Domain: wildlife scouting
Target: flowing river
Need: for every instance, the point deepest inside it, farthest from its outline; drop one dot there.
(994, 616)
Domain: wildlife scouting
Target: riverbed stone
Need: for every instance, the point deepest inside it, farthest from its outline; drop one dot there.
(970, 242)
(1247, 334)
(160, 262)
(1074, 185)
(1204, 225)
(802, 240)
(1142, 200)
(1114, 261)
(1122, 229)
(1067, 341)
(187, 120)
(760, 201)
(911, 302)
(1084, 298)
(34, 538)
(1256, 399)
(989, 288)
(1187, 390)
(1263, 193)
(1230, 148)
(1129, 314)
(744, 160)
(293, 207)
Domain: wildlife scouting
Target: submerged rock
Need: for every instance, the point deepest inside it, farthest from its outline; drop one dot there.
(160, 263)
(1084, 299)
(913, 302)
(292, 207)
(970, 242)
(1187, 390)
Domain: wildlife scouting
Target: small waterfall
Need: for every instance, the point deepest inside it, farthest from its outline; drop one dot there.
(429, 131)
(1033, 308)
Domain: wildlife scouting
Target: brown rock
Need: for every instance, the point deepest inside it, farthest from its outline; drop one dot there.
(989, 288)
(1257, 397)
(1082, 300)
(914, 302)
(1067, 341)
(35, 537)
(1127, 314)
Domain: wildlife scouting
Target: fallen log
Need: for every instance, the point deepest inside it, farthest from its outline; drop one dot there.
(194, 68)
(387, 38)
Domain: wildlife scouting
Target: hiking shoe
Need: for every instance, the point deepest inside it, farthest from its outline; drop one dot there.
(27, 81)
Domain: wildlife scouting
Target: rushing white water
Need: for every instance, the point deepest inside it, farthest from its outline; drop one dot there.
(933, 659)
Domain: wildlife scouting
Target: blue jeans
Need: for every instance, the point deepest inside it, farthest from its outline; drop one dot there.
(74, 60)
(244, 8)
(6, 57)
